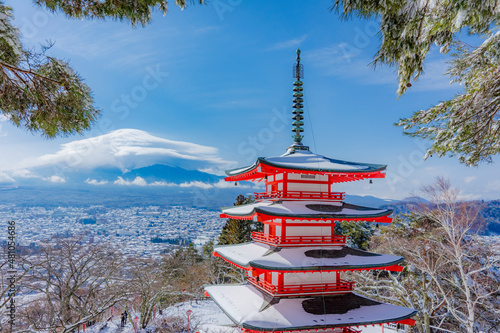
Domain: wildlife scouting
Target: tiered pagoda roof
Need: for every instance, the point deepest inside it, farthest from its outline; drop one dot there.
(307, 162)
(306, 209)
(255, 310)
(260, 256)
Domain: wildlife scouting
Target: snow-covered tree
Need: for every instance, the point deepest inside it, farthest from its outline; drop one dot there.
(470, 276)
(38, 92)
(136, 12)
(44, 94)
(452, 276)
(75, 282)
(413, 239)
(467, 126)
(146, 287)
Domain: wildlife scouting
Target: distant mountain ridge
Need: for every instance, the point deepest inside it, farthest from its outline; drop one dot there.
(368, 200)
(109, 175)
(177, 175)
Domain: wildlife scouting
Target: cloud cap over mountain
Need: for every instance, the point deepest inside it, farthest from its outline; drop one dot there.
(130, 149)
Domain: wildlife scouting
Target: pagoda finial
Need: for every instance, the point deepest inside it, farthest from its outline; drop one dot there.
(298, 73)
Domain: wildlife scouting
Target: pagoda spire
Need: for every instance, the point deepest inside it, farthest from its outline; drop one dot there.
(298, 73)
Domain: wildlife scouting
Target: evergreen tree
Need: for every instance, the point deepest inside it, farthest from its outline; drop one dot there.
(136, 12)
(239, 231)
(358, 233)
(44, 94)
(467, 126)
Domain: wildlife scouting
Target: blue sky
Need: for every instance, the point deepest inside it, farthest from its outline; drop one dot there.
(220, 75)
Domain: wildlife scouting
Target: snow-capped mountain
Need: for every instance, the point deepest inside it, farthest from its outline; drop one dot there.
(121, 157)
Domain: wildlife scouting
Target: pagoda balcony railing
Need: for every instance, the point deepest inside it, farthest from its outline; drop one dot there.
(298, 240)
(332, 196)
(340, 286)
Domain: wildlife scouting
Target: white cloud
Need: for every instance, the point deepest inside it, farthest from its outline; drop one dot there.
(23, 173)
(55, 179)
(207, 29)
(130, 149)
(469, 197)
(197, 184)
(433, 78)
(96, 182)
(347, 61)
(288, 43)
(470, 179)
(344, 60)
(220, 184)
(138, 181)
(5, 178)
(162, 183)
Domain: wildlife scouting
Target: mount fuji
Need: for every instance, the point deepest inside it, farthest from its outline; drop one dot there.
(121, 157)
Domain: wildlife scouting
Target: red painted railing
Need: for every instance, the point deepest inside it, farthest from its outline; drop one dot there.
(317, 288)
(342, 330)
(302, 289)
(334, 196)
(262, 284)
(298, 240)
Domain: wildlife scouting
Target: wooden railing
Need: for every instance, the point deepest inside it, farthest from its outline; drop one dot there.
(262, 284)
(298, 240)
(333, 196)
(340, 286)
(317, 288)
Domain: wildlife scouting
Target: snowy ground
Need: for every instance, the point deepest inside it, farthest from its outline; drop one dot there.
(206, 317)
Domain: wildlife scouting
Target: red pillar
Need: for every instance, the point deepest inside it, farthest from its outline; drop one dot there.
(136, 320)
(188, 314)
(281, 280)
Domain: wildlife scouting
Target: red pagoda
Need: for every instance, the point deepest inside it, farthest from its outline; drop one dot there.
(295, 264)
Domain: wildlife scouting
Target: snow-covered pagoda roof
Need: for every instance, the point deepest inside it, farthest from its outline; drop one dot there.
(261, 312)
(262, 256)
(308, 210)
(305, 160)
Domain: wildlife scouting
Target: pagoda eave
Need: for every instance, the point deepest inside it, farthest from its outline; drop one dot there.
(250, 267)
(310, 210)
(262, 169)
(260, 256)
(263, 313)
(391, 266)
(260, 217)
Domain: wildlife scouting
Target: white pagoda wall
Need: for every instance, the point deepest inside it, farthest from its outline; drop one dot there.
(308, 231)
(299, 176)
(278, 230)
(309, 278)
(307, 187)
